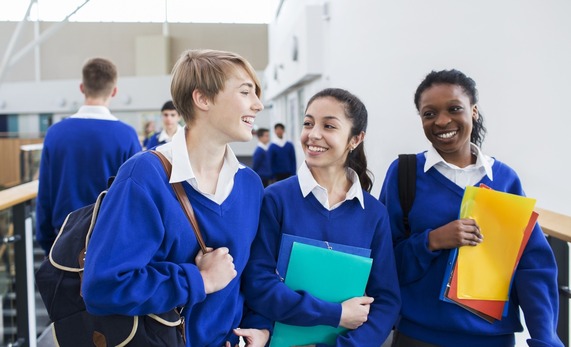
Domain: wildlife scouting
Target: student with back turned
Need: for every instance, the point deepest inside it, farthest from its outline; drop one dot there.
(82, 152)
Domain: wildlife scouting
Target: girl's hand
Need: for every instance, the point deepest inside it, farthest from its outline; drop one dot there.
(253, 337)
(458, 233)
(355, 312)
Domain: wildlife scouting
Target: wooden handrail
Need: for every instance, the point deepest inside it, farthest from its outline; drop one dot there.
(555, 224)
(18, 194)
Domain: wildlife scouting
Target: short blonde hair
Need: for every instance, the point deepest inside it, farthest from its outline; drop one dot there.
(207, 71)
(99, 78)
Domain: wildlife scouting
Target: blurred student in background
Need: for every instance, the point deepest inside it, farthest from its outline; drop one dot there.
(82, 152)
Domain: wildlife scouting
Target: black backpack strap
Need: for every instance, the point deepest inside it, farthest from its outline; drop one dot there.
(407, 186)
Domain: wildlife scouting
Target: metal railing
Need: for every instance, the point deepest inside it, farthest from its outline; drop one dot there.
(18, 201)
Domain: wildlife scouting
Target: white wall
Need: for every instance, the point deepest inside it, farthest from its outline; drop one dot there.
(518, 52)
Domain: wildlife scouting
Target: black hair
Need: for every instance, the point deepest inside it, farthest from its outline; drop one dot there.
(261, 131)
(356, 111)
(279, 125)
(458, 78)
(169, 105)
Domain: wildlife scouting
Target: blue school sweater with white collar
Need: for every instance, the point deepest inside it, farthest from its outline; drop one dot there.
(285, 210)
(282, 158)
(78, 157)
(140, 258)
(424, 316)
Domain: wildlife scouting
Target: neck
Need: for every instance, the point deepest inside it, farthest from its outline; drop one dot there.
(335, 180)
(460, 158)
(205, 153)
(171, 131)
(89, 101)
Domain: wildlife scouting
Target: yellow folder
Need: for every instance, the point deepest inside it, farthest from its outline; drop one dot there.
(327, 274)
(485, 271)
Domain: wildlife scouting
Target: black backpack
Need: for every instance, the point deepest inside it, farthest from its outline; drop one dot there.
(407, 186)
(59, 280)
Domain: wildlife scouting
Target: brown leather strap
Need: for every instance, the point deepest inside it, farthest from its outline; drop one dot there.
(183, 200)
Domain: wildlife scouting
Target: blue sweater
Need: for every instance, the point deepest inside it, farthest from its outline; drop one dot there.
(282, 159)
(153, 140)
(285, 210)
(421, 271)
(78, 157)
(261, 163)
(140, 258)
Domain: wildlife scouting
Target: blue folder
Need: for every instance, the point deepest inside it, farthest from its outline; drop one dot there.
(287, 243)
(329, 271)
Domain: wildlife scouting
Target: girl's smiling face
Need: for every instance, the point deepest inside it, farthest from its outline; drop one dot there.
(325, 137)
(447, 115)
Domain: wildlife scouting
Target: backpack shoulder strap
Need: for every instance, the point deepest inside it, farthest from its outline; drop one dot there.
(407, 186)
(183, 200)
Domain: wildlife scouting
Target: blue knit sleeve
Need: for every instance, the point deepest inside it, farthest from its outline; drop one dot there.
(128, 269)
(265, 293)
(45, 234)
(535, 282)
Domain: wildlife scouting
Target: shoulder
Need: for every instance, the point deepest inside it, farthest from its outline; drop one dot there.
(143, 168)
(284, 189)
(373, 205)
(248, 174)
(502, 169)
(123, 126)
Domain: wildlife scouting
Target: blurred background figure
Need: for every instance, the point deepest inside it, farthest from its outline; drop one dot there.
(171, 124)
(261, 159)
(282, 155)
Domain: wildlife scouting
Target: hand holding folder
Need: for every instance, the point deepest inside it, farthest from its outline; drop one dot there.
(325, 273)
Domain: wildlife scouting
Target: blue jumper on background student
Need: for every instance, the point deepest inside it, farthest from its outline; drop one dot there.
(282, 155)
(328, 200)
(82, 152)
(261, 159)
(447, 104)
(143, 256)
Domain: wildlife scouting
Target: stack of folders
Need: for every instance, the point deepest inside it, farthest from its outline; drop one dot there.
(479, 278)
(329, 271)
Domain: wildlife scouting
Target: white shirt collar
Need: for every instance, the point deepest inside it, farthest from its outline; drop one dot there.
(94, 112)
(308, 184)
(263, 146)
(280, 142)
(176, 152)
(164, 137)
(483, 162)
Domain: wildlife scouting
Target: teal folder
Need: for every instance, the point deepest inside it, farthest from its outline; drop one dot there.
(327, 274)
